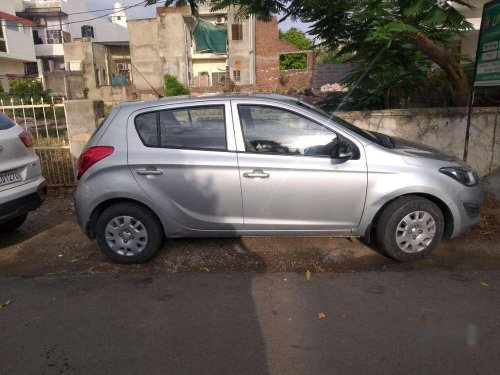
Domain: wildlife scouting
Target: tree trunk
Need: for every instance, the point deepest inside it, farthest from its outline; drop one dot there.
(449, 65)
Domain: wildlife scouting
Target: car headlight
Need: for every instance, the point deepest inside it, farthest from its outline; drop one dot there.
(465, 176)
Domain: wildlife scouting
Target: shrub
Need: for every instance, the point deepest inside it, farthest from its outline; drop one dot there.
(27, 89)
(173, 87)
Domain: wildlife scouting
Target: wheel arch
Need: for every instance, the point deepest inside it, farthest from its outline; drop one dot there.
(96, 212)
(445, 209)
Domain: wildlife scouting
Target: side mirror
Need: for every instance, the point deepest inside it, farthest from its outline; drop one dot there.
(344, 152)
(346, 155)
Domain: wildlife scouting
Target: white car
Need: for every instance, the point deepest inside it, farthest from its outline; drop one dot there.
(22, 187)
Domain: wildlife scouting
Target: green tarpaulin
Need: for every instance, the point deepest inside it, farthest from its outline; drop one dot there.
(210, 38)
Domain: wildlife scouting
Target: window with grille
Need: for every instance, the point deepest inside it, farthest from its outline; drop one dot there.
(218, 78)
(54, 36)
(236, 75)
(237, 31)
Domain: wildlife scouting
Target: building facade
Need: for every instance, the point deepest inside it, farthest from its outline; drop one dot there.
(202, 51)
(17, 51)
(57, 22)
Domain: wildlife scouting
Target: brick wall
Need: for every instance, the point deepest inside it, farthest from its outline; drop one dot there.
(268, 46)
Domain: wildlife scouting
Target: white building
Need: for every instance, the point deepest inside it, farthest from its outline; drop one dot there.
(118, 16)
(16, 44)
(61, 21)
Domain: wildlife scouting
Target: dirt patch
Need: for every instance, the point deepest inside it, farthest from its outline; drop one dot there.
(51, 243)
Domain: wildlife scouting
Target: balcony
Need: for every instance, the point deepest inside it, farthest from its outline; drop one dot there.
(49, 50)
(18, 46)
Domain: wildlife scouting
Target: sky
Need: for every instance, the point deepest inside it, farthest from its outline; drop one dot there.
(150, 12)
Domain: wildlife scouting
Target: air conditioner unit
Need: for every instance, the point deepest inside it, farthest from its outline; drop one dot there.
(221, 20)
(122, 66)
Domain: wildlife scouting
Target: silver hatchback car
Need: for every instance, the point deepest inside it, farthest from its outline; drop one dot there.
(260, 165)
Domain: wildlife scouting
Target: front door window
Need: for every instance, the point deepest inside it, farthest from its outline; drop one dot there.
(269, 130)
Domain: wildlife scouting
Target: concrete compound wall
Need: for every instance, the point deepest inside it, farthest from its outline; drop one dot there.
(63, 83)
(82, 117)
(442, 128)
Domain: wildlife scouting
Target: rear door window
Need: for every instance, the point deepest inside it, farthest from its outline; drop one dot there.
(147, 127)
(5, 122)
(198, 128)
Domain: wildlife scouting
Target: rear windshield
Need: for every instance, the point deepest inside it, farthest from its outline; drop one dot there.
(5, 122)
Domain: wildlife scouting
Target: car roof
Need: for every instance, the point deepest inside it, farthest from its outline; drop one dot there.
(194, 99)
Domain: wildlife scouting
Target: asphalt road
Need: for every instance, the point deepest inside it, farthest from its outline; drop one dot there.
(413, 322)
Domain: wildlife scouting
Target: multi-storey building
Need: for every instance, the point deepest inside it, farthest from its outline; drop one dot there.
(60, 21)
(202, 51)
(17, 52)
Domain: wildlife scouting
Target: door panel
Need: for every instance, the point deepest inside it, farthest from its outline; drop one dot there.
(295, 187)
(198, 189)
(302, 193)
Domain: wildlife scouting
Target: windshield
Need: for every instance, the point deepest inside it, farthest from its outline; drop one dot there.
(372, 137)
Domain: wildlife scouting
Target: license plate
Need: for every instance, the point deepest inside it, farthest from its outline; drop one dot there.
(9, 177)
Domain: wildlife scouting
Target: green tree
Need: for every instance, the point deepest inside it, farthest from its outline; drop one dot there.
(371, 28)
(298, 38)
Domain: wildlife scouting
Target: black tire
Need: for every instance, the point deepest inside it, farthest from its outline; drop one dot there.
(392, 216)
(13, 224)
(146, 217)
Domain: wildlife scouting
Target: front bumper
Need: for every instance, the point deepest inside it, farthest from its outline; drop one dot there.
(28, 198)
(468, 204)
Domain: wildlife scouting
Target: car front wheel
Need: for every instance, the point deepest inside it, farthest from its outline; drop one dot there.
(128, 233)
(410, 228)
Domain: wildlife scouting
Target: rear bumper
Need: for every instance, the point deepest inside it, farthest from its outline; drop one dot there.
(26, 198)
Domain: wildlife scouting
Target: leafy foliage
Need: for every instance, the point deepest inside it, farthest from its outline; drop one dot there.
(293, 61)
(27, 89)
(173, 87)
(373, 31)
(298, 39)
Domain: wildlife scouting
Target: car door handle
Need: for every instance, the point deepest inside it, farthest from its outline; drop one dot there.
(149, 172)
(256, 173)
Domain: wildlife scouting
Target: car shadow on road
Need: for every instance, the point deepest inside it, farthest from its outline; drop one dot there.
(57, 208)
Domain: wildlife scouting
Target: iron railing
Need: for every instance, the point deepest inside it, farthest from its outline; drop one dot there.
(47, 124)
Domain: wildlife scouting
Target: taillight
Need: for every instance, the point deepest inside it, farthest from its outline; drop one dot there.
(92, 156)
(26, 138)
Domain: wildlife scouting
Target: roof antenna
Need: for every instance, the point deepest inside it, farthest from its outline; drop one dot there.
(150, 85)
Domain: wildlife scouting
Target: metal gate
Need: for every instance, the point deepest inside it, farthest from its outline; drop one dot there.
(47, 124)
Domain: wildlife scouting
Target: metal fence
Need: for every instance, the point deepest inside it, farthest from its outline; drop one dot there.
(47, 124)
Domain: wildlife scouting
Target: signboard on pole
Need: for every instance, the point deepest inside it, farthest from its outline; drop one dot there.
(487, 72)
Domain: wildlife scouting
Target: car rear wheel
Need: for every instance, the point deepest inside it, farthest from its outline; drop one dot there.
(410, 228)
(13, 224)
(128, 233)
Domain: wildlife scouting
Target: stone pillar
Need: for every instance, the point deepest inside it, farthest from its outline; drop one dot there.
(82, 118)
